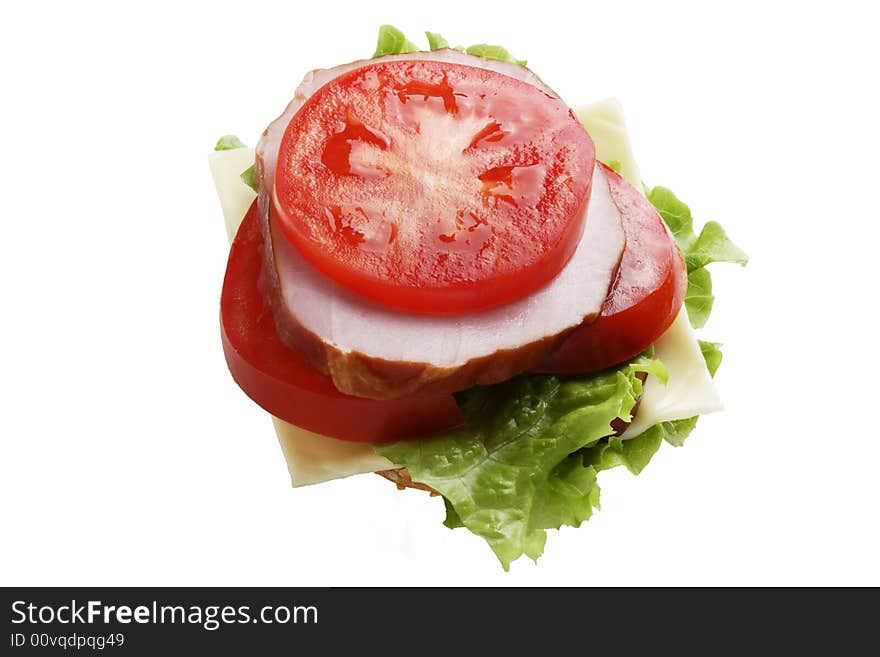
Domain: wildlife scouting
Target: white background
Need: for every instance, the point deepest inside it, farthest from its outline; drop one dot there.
(130, 457)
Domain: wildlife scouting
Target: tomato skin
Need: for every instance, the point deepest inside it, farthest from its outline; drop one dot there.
(434, 188)
(283, 383)
(644, 300)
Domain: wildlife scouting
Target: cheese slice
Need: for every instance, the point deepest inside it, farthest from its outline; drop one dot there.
(604, 121)
(689, 390)
(235, 196)
(313, 458)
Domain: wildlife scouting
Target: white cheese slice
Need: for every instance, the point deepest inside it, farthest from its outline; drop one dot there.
(235, 196)
(604, 121)
(313, 458)
(689, 391)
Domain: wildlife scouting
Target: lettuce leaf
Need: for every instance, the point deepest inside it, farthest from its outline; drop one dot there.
(634, 454)
(676, 431)
(229, 143)
(711, 354)
(711, 245)
(698, 298)
(436, 41)
(515, 469)
(249, 178)
(494, 52)
(392, 41)
(529, 456)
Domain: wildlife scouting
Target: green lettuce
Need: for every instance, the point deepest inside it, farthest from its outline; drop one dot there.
(249, 178)
(698, 298)
(231, 142)
(634, 453)
(516, 468)
(494, 52)
(529, 456)
(228, 143)
(392, 41)
(711, 354)
(711, 245)
(436, 41)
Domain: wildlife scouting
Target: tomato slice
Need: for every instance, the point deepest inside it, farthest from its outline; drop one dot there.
(645, 298)
(434, 187)
(283, 383)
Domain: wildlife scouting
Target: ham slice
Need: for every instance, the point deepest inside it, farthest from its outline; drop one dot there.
(380, 353)
(373, 351)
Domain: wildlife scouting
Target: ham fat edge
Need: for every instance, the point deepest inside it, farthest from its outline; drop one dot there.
(380, 353)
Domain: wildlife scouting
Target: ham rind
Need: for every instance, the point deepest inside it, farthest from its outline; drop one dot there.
(380, 353)
(373, 351)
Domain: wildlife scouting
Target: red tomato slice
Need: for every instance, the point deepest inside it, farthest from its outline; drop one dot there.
(434, 187)
(283, 383)
(645, 298)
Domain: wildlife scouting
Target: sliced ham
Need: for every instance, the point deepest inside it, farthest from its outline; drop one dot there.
(380, 353)
(377, 352)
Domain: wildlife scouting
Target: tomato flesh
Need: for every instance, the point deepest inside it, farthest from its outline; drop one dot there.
(644, 300)
(283, 383)
(434, 187)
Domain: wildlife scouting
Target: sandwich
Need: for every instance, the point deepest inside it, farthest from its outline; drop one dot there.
(441, 273)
